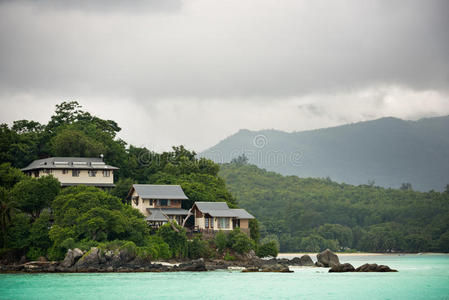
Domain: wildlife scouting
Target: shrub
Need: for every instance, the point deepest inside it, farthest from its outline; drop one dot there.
(175, 239)
(130, 248)
(229, 257)
(34, 253)
(162, 250)
(268, 249)
(221, 241)
(239, 241)
(198, 248)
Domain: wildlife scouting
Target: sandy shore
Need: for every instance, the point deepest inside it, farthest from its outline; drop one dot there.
(291, 255)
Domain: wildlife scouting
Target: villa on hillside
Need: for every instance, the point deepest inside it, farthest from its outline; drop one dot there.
(161, 203)
(158, 203)
(213, 216)
(70, 171)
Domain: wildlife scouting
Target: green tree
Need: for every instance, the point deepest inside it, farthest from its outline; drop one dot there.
(240, 160)
(90, 214)
(33, 195)
(239, 241)
(6, 208)
(270, 248)
(70, 142)
(176, 239)
(254, 230)
(9, 176)
(122, 188)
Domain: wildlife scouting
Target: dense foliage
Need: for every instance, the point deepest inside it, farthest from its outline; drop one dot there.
(314, 214)
(38, 218)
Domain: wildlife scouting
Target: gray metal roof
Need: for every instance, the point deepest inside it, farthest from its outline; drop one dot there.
(157, 214)
(154, 191)
(242, 214)
(205, 206)
(89, 163)
(221, 209)
(222, 213)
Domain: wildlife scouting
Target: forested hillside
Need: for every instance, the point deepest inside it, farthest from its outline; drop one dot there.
(387, 151)
(307, 214)
(86, 216)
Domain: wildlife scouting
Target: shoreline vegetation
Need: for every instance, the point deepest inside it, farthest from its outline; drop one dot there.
(39, 219)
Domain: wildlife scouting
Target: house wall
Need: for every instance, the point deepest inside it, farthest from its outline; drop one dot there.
(172, 204)
(200, 223)
(82, 178)
(244, 223)
(141, 205)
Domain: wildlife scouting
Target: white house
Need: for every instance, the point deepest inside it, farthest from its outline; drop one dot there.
(215, 216)
(74, 171)
(158, 203)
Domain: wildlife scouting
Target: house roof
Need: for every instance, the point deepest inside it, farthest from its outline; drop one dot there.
(242, 214)
(154, 191)
(205, 206)
(89, 163)
(157, 214)
(221, 209)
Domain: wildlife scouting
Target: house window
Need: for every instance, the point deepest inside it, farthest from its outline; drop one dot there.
(163, 202)
(106, 173)
(151, 202)
(206, 222)
(75, 173)
(47, 171)
(65, 171)
(223, 223)
(211, 222)
(92, 173)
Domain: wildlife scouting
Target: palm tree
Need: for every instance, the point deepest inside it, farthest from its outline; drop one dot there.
(6, 207)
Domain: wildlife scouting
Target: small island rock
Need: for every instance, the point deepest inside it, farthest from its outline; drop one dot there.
(374, 268)
(340, 268)
(306, 261)
(328, 258)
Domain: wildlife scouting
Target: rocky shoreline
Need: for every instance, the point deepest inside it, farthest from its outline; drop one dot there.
(98, 261)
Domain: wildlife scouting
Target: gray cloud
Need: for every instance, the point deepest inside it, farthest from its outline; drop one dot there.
(193, 72)
(223, 48)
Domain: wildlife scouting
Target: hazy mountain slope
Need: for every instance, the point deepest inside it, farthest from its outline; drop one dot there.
(389, 151)
(309, 214)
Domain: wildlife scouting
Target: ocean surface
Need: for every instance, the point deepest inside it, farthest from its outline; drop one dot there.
(419, 277)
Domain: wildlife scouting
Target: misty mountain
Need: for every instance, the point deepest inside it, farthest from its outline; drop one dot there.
(385, 152)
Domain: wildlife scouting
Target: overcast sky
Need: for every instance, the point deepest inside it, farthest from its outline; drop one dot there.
(193, 72)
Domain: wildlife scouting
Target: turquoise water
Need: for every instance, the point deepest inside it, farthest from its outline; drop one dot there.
(419, 277)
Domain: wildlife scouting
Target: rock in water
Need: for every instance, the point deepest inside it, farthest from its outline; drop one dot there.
(194, 265)
(306, 261)
(278, 268)
(71, 257)
(295, 261)
(328, 258)
(374, 268)
(250, 269)
(342, 268)
(90, 258)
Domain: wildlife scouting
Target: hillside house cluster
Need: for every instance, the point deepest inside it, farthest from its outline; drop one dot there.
(158, 203)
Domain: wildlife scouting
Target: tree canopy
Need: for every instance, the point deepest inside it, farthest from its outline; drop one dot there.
(307, 214)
